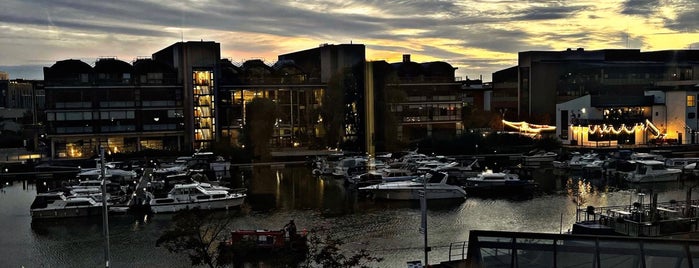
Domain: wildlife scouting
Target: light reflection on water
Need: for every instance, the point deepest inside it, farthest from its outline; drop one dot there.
(387, 229)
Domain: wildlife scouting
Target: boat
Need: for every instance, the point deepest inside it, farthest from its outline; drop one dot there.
(263, 244)
(539, 158)
(652, 171)
(578, 162)
(673, 218)
(194, 195)
(437, 185)
(489, 182)
(380, 176)
(53, 205)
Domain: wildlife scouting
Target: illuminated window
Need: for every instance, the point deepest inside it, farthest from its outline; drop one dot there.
(691, 101)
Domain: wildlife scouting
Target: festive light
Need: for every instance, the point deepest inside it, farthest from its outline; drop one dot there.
(527, 127)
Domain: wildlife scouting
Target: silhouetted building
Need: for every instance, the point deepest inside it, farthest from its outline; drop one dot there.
(546, 78)
(196, 64)
(114, 105)
(343, 66)
(417, 99)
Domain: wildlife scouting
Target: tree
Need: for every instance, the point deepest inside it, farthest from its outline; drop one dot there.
(324, 251)
(260, 116)
(197, 233)
(332, 110)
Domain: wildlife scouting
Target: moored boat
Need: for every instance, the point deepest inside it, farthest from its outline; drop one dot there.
(436, 185)
(652, 171)
(54, 205)
(497, 182)
(194, 195)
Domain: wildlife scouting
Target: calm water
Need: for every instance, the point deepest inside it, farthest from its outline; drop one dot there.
(387, 229)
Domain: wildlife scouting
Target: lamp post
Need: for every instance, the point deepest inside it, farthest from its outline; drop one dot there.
(503, 111)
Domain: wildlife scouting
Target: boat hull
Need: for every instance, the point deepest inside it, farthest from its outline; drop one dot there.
(164, 206)
(654, 177)
(50, 213)
(414, 194)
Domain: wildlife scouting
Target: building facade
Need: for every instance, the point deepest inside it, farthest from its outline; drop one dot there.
(115, 105)
(545, 78)
(417, 99)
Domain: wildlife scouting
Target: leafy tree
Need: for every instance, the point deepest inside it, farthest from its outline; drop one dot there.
(196, 233)
(332, 110)
(324, 251)
(260, 116)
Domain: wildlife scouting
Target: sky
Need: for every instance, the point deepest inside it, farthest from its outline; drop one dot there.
(478, 37)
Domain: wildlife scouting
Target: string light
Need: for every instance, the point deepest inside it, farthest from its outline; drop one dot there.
(527, 127)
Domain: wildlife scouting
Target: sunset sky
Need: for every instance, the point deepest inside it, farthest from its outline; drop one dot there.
(478, 37)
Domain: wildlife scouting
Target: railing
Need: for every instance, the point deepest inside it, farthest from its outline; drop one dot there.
(458, 249)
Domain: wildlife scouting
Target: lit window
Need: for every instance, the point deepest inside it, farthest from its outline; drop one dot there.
(691, 101)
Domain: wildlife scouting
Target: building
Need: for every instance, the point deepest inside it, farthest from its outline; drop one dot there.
(297, 98)
(417, 99)
(115, 105)
(196, 66)
(545, 78)
(342, 68)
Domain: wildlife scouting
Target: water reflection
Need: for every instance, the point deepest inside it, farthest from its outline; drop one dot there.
(388, 229)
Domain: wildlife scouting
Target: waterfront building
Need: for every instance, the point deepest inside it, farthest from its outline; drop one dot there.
(297, 97)
(432, 103)
(116, 105)
(546, 78)
(185, 97)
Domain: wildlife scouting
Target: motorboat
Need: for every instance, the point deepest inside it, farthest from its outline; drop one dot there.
(115, 175)
(539, 158)
(196, 195)
(578, 162)
(652, 171)
(436, 185)
(53, 205)
(496, 181)
(381, 176)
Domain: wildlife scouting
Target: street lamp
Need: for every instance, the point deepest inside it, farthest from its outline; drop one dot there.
(503, 111)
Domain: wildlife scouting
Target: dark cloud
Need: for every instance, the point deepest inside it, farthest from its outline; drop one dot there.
(548, 12)
(640, 7)
(687, 18)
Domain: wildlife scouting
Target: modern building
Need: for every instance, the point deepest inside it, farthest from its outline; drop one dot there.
(115, 105)
(546, 78)
(297, 98)
(417, 99)
(342, 68)
(196, 66)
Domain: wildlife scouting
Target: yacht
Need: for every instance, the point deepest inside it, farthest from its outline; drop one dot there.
(652, 171)
(54, 205)
(539, 158)
(196, 195)
(380, 176)
(437, 185)
(496, 181)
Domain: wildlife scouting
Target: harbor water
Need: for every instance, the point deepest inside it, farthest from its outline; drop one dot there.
(390, 230)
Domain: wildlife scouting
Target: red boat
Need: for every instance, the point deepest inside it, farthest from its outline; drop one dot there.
(266, 239)
(256, 244)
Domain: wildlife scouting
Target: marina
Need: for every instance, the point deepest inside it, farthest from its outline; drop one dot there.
(387, 228)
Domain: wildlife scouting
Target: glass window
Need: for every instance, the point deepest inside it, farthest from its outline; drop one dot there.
(691, 101)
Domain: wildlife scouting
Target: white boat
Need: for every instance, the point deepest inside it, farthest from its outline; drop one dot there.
(115, 175)
(347, 165)
(195, 195)
(497, 182)
(652, 171)
(56, 205)
(437, 185)
(381, 176)
(594, 166)
(539, 158)
(578, 162)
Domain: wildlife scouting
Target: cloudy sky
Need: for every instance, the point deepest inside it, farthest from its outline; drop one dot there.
(476, 36)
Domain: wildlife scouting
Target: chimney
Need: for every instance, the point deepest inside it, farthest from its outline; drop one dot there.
(406, 57)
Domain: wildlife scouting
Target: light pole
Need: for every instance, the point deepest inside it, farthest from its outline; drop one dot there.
(503, 111)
